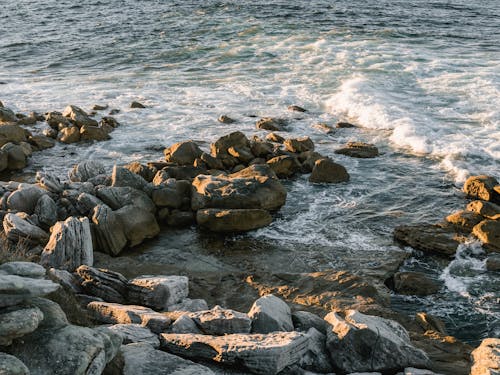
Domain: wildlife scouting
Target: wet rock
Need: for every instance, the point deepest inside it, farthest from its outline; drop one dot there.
(93, 133)
(122, 177)
(158, 292)
(86, 170)
(133, 333)
(79, 116)
(304, 320)
(7, 116)
(233, 220)
(486, 358)
(184, 324)
(482, 187)
(488, 232)
(284, 166)
(70, 245)
(16, 157)
(219, 321)
(271, 124)
(327, 171)
(485, 209)
(414, 283)
(183, 153)
(25, 199)
(137, 224)
(137, 105)
(273, 137)
(220, 148)
(322, 127)
(296, 108)
(344, 125)
(16, 289)
(430, 323)
(98, 107)
(361, 342)
(108, 285)
(225, 119)
(298, 145)
(70, 134)
(26, 269)
(108, 233)
(261, 354)
(211, 162)
(10, 365)
(129, 314)
(41, 142)
(118, 197)
(18, 229)
(145, 171)
(429, 238)
(188, 304)
(493, 262)
(464, 221)
(358, 150)
(270, 314)
(143, 359)
(15, 323)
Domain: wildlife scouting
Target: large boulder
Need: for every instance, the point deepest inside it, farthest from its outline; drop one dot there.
(270, 314)
(271, 124)
(12, 133)
(70, 134)
(26, 269)
(464, 220)
(78, 116)
(86, 170)
(158, 292)
(488, 232)
(485, 209)
(7, 116)
(482, 187)
(284, 166)
(46, 211)
(25, 199)
(107, 230)
(10, 365)
(414, 283)
(17, 228)
(486, 358)
(93, 133)
(16, 156)
(118, 197)
(122, 177)
(220, 148)
(364, 343)
(325, 170)
(232, 220)
(182, 153)
(219, 321)
(108, 285)
(298, 145)
(16, 289)
(137, 224)
(132, 333)
(429, 238)
(15, 323)
(172, 193)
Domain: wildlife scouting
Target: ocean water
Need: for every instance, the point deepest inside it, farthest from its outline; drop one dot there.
(421, 78)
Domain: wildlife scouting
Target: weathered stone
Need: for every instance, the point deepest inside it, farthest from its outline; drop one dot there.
(26, 269)
(211, 162)
(78, 116)
(273, 137)
(188, 304)
(358, 150)
(7, 116)
(172, 193)
(183, 153)
(4, 160)
(122, 177)
(108, 233)
(486, 209)
(25, 199)
(53, 316)
(414, 283)
(482, 187)
(46, 211)
(304, 320)
(67, 280)
(361, 342)
(145, 171)
(133, 333)
(17, 323)
(316, 358)
(93, 133)
(219, 321)
(86, 170)
(108, 285)
(233, 220)
(86, 203)
(18, 229)
(41, 142)
(296, 108)
(298, 145)
(488, 232)
(325, 170)
(16, 289)
(493, 262)
(284, 166)
(177, 218)
(271, 124)
(118, 197)
(10, 365)
(137, 224)
(464, 221)
(270, 314)
(220, 148)
(12, 133)
(71, 134)
(158, 292)
(429, 238)
(184, 324)
(486, 358)
(16, 157)
(136, 105)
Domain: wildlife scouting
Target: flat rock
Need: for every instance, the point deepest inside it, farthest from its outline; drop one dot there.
(10, 365)
(184, 324)
(17, 323)
(108, 285)
(26, 269)
(219, 321)
(158, 292)
(133, 333)
(233, 220)
(188, 304)
(486, 358)
(429, 238)
(270, 314)
(16, 289)
(358, 150)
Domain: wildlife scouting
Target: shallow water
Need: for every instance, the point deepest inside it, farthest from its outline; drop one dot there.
(420, 77)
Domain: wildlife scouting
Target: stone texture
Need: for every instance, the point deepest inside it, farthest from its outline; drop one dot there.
(12, 133)
(78, 116)
(219, 321)
(486, 358)
(132, 333)
(235, 220)
(493, 262)
(108, 285)
(26, 269)
(107, 232)
(414, 283)
(304, 320)
(137, 224)
(284, 166)
(10, 365)
(429, 238)
(18, 229)
(184, 324)
(16, 157)
(358, 150)
(271, 124)
(188, 304)
(182, 153)
(25, 199)
(118, 197)
(158, 292)
(17, 323)
(71, 134)
(325, 170)
(488, 232)
(464, 220)
(86, 170)
(270, 314)
(93, 133)
(16, 289)
(46, 211)
(482, 187)
(486, 209)
(298, 145)
(122, 177)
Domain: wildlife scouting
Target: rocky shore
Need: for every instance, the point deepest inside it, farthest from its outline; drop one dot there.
(66, 315)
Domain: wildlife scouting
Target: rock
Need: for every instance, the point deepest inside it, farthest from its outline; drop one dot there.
(184, 324)
(219, 321)
(25, 200)
(242, 192)
(70, 245)
(67, 280)
(7, 116)
(108, 285)
(122, 177)
(145, 171)
(261, 354)
(322, 127)
(108, 233)
(270, 314)
(86, 203)
(133, 333)
(261, 149)
(26, 269)
(137, 224)
(271, 124)
(50, 182)
(325, 170)
(54, 317)
(273, 137)
(225, 119)
(93, 133)
(182, 172)
(4, 160)
(298, 145)
(46, 211)
(188, 304)
(41, 142)
(18, 229)
(177, 218)
(183, 153)
(486, 209)
(488, 232)
(118, 197)
(316, 358)
(71, 134)
(86, 170)
(358, 150)
(284, 166)
(430, 322)
(10, 365)
(429, 238)
(220, 148)
(98, 107)
(137, 105)
(233, 220)
(16, 158)
(129, 314)
(12, 133)
(172, 193)
(464, 221)
(416, 371)
(243, 154)
(414, 283)
(143, 359)
(304, 320)
(79, 116)
(17, 323)
(344, 125)
(368, 343)
(211, 162)
(486, 358)
(158, 292)
(493, 262)
(482, 187)
(16, 289)
(296, 108)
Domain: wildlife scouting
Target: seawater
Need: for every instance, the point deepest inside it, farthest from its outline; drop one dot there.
(420, 77)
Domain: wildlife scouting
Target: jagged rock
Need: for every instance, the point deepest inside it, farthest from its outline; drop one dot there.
(188, 304)
(482, 187)
(361, 342)
(18, 229)
(430, 322)
(261, 149)
(486, 358)
(211, 162)
(17, 323)
(86, 203)
(325, 170)
(71, 134)
(233, 220)
(143, 359)
(316, 358)
(122, 177)
(25, 199)
(284, 166)
(133, 333)
(184, 324)
(358, 150)
(137, 224)
(429, 238)
(261, 354)
(298, 145)
(10, 365)
(137, 105)
(70, 245)
(271, 124)
(50, 182)
(79, 116)
(182, 153)
(16, 289)
(304, 320)
(118, 197)
(46, 211)
(488, 232)
(67, 280)
(7, 116)
(273, 137)
(486, 209)
(270, 314)
(414, 283)
(219, 321)
(220, 148)
(86, 170)
(145, 171)
(129, 314)
(12, 133)
(158, 292)
(108, 232)
(464, 221)
(493, 262)
(55, 119)
(108, 285)
(16, 157)
(172, 193)
(93, 133)
(26, 269)
(296, 108)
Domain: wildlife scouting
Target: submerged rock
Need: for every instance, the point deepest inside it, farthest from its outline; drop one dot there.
(358, 150)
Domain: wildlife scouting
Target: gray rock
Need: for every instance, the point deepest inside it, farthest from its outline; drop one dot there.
(50, 182)
(17, 323)
(143, 359)
(18, 229)
(358, 150)
(118, 197)
(65, 279)
(304, 320)
(219, 321)
(184, 324)
(158, 292)
(70, 245)
(16, 157)
(16, 289)
(172, 193)
(417, 371)
(137, 224)
(188, 304)
(486, 358)
(317, 358)
(26, 269)
(132, 333)
(261, 354)
(79, 116)
(270, 314)
(7, 115)
(87, 202)
(108, 285)
(233, 220)
(108, 233)
(369, 343)
(115, 313)
(54, 317)
(25, 200)
(86, 170)
(46, 211)
(122, 177)
(10, 365)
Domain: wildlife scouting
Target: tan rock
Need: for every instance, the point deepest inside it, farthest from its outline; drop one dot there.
(325, 170)
(488, 232)
(70, 134)
(482, 187)
(486, 209)
(486, 358)
(464, 220)
(233, 220)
